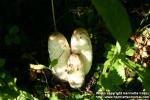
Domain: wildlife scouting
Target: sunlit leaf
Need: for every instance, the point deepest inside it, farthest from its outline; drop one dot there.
(109, 54)
(118, 66)
(8, 88)
(53, 63)
(130, 52)
(54, 97)
(115, 17)
(25, 96)
(111, 81)
(118, 48)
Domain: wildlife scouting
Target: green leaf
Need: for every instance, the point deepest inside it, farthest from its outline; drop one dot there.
(111, 51)
(17, 40)
(111, 81)
(8, 88)
(130, 52)
(145, 78)
(2, 62)
(105, 81)
(109, 55)
(25, 96)
(96, 74)
(14, 29)
(106, 65)
(54, 97)
(53, 63)
(144, 73)
(118, 66)
(116, 78)
(115, 17)
(118, 48)
(12, 38)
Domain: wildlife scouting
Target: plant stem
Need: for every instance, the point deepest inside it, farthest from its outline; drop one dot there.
(53, 13)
